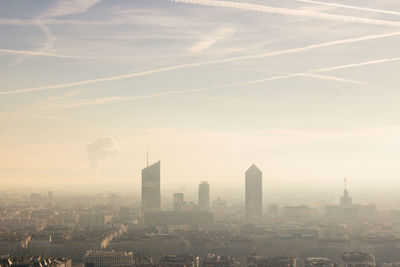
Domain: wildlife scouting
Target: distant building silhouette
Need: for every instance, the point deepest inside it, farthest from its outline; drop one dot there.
(179, 261)
(213, 260)
(318, 262)
(151, 197)
(204, 196)
(259, 261)
(253, 193)
(349, 211)
(346, 200)
(108, 258)
(178, 201)
(359, 259)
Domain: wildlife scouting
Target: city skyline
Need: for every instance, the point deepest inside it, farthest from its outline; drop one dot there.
(199, 133)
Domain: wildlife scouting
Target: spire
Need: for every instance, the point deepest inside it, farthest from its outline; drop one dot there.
(147, 152)
(345, 183)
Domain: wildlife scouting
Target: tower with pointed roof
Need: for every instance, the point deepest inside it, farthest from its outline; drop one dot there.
(253, 193)
(346, 200)
(151, 197)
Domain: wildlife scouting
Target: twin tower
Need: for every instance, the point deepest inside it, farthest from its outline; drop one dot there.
(151, 197)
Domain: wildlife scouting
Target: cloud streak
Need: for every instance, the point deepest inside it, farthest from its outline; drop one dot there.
(60, 8)
(197, 64)
(121, 99)
(289, 12)
(351, 7)
(38, 53)
(68, 7)
(311, 74)
(210, 39)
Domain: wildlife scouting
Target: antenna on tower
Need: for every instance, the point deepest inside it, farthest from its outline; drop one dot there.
(345, 183)
(147, 152)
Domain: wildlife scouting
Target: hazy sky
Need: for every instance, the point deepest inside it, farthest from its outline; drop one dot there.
(307, 90)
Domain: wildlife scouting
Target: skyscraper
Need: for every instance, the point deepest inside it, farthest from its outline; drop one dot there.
(204, 196)
(346, 200)
(253, 193)
(151, 197)
(178, 201)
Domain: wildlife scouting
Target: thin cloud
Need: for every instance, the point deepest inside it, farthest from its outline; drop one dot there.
(101, 148)
(60, 8)
(333, 78)
(36, 53)
(188, 65)
(68, 7)
(360, 64)
(289, 12)
(210, 39)
(310, 74)
(46, 54)
(374, 10)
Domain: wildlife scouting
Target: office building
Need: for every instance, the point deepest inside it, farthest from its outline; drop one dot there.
(151, 197)
(178, 201)
(258, 261)
(318, 262)
(357, 259)
(253, 193)
(108, 258)
(179, 261)
(34, 261)
(204, 196)
(213, 260)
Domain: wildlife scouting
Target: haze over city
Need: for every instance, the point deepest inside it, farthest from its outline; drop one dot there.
(199, 133)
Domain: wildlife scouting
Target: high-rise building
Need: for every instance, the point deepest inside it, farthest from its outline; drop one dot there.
(204, 196)
(253, 193)
(178, 201)
(151, 197)
(346, 200)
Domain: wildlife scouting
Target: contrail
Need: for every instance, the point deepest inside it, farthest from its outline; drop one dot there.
(360, 64)
(310, 73)
(290, 12)
(46, 54)
(197, 64)
(351, 7)
(113, 99)
(333, 78)
(40, 53)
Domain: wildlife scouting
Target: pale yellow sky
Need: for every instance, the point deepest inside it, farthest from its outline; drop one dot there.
(207, 87)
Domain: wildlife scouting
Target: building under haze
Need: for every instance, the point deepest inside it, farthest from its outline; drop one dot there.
(349, 211)
(108, 258)
(178, 201)
(151, 197)
(253, 193)
(318, 262)
(204, 196)
(357, 259)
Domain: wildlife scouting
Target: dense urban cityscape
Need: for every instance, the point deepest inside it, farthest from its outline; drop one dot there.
(107, 230)
(199, 133)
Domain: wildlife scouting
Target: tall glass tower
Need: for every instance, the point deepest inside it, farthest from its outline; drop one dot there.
(204, 196)
(253, 193)
(151, 197)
